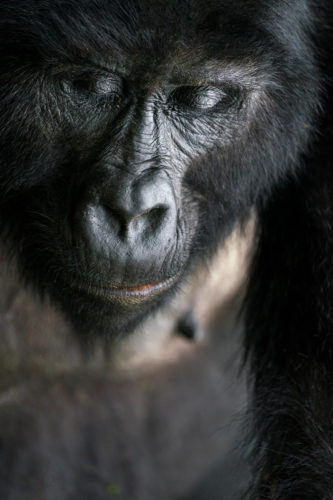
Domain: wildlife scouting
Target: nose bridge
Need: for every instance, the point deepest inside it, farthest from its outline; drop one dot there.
(141, 146)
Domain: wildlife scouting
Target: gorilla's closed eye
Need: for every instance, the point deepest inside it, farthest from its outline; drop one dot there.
(201, 97)
(93, 83)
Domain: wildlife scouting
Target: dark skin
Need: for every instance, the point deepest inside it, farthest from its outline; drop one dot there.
(134, 137)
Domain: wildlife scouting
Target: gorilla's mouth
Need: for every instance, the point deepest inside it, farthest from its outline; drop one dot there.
(131, 294)
(140, 290)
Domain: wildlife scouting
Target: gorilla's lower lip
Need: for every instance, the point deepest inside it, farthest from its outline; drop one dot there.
(131, 294)
(139, 290)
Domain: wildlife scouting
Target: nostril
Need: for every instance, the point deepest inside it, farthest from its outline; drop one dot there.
(128, 216)
(150, 220)
(156, 211)
(135, 222)
(118, 220)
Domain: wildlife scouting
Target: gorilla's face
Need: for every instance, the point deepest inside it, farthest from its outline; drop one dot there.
(132, 137)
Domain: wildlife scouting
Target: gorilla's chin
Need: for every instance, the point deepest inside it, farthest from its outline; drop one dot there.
(112, 311)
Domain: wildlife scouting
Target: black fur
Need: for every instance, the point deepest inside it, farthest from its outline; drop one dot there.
(224, 107)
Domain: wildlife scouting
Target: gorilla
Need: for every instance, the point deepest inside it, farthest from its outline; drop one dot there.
(135, 136)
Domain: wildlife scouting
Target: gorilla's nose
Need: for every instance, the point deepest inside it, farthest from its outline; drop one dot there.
(137, 211)
(132, 220)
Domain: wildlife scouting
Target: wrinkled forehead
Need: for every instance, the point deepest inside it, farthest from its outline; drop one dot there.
(142, 35)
